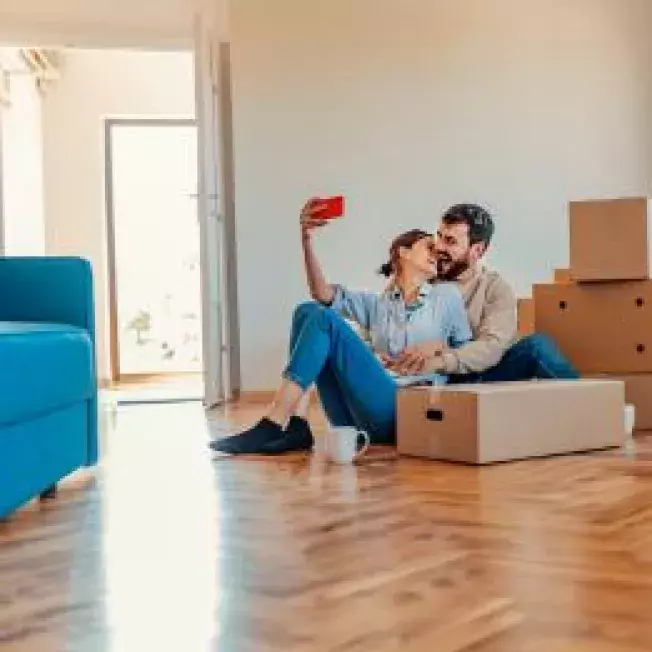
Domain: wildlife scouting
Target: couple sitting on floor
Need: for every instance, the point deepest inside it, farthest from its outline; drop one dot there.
(443, 318)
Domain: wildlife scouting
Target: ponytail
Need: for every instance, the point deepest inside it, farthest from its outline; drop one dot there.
(386, 269)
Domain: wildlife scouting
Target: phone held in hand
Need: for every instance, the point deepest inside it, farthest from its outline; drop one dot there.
(333, 208)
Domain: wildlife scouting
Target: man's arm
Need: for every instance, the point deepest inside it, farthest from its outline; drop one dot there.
(496, 332)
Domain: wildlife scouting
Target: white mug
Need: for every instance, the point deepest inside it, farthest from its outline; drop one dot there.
(341, 444)
(630, 419)
(629, 447)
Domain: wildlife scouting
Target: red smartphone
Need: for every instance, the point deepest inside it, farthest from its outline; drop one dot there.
(333, 208)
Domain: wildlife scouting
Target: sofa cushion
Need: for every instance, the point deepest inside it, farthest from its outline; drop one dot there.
(43, 367)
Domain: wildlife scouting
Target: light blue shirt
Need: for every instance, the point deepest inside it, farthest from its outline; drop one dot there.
(438, 314)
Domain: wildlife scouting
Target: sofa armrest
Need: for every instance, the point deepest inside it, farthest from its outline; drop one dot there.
(47, 289)
(55, 290)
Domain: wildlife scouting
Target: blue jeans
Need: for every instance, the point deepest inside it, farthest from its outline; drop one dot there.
(534, 356)
(354, 388)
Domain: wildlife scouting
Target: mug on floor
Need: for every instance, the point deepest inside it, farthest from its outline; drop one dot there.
(341, 444)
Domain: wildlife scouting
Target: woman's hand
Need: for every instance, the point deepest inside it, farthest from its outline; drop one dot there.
(320, 289)
(407, 364)
(416, 359)
(385, 359)
(309, 218)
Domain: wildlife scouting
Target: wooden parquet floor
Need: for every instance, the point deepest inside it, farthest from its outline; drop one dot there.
(164, 549)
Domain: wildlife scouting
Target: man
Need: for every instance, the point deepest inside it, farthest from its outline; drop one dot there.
(463, 237)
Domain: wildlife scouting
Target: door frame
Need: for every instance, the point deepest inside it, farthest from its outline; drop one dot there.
(232, 375)
(114, 339)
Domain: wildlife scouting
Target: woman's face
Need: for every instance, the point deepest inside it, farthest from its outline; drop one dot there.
(420, 258)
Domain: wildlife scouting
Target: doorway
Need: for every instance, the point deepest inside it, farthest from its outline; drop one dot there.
(154, 256)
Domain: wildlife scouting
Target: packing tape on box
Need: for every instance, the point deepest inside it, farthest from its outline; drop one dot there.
(433, 398)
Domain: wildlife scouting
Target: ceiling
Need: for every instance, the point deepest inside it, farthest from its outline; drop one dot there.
(149, 24)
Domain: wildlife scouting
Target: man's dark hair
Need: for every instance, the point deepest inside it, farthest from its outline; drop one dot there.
(478, 219)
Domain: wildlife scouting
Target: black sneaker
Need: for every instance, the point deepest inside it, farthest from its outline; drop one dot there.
(250, 441)
(296, 437)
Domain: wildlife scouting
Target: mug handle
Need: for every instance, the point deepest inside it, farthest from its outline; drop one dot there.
(367, 443)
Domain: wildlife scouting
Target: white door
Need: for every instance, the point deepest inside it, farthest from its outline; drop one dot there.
(210, 205)
(152, 168)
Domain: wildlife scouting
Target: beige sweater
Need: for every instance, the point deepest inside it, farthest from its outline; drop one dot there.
(491, 306)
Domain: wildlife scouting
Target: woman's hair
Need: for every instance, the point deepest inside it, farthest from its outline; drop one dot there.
(407, 240)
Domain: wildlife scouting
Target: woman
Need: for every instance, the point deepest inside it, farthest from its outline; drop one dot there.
(353, 380)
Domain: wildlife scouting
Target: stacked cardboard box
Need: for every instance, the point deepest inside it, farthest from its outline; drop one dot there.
(602, 319)
(525, 305)
(525, 313)
(562, 276)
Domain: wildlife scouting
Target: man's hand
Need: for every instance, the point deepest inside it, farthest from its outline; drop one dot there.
(310, 217)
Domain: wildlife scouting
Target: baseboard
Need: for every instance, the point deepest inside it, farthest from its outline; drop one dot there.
(254, 396)
(264, 397)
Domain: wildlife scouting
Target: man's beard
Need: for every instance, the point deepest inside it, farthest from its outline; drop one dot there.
(453, 269)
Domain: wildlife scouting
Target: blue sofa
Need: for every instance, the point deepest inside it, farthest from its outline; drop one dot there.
(48, 389)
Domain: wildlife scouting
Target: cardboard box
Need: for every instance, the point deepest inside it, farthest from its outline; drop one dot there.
(496, 422)
(638, 392)
(563, 276)
(601, 328)
(610, 240)
(525, 315)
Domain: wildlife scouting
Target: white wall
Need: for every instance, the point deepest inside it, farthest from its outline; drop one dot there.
(409, 106)
(96, 85)
(21, 157)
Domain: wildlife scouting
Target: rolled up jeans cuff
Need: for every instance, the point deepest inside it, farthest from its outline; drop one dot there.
(297, 380)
